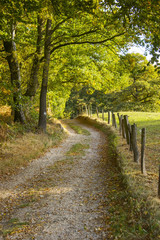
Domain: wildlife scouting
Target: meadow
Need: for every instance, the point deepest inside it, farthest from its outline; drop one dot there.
(150, 121)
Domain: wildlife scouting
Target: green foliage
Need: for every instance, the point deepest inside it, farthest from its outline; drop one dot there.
(70, 8)
(80, 60)
(143, 90)
(134, 85)
(56, 102)
(143, 18)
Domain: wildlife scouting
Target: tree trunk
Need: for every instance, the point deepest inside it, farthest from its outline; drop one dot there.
(33, 83)
(43, 110)
(10, 48)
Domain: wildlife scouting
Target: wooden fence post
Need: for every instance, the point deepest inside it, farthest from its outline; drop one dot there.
(120, 124)
(123, 129)
(159, 183)
(109, 117)
(143, 141)
(114, 121)
(130, 135)
(134, 143)
(97, 112)
(103, 114)
(126, 128)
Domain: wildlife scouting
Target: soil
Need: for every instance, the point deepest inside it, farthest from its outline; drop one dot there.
(59, 196)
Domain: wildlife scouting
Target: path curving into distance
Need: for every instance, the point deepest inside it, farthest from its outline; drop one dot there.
(61, 196)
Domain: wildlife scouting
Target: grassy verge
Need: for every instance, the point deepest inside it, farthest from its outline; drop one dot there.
(151, 121)
(79, 130)
(133, 215)
(77, 149)
(20, 144)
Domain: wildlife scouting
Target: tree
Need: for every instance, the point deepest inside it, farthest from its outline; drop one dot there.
(14, 16)
(43, 109)
(80, 29)
(33, 83)
(143, 17)
(10, 48)
(143, 89)
(112, 24)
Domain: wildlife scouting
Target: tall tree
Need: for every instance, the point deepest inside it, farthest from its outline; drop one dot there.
(143, 88)
(13, 16)
(82, 28)
(33, 83)
(10, 48)
(43, 110)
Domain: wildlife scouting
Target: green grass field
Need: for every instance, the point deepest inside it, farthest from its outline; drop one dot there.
(150, 121)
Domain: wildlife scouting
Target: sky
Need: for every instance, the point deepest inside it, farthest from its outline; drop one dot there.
(141, 50)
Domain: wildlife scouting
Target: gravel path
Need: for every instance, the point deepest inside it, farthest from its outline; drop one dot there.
(59, 197)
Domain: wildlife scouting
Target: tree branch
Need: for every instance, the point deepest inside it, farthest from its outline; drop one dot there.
(72, 36)
(87, 42)
(58, 25)
(85, 33)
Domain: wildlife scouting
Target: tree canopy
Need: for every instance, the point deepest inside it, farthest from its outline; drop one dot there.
(64, 45)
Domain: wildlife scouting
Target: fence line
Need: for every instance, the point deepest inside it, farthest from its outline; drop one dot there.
(128, 132)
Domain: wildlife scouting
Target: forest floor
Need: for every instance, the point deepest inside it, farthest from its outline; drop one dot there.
(73, 192)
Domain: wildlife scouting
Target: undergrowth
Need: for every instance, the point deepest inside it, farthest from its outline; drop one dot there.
(21, 143)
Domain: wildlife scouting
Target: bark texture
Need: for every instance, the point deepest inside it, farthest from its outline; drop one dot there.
(10, 48)
(33, 83)
(43, 95)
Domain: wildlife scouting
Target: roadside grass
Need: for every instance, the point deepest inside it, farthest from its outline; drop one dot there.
(150, 121)
(134, 212)
(77, 149)
(79, 130)
(20, 144)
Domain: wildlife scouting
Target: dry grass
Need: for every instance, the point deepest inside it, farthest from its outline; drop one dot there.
(145, 185)
(19, 145)
(19, 152)
(132, 200)
(151, 121)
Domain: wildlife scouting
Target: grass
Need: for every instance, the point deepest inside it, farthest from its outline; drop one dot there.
(14, 225)
(79, 130)
(77, 149)
(133, 208)
(150, 121)
(20, 144)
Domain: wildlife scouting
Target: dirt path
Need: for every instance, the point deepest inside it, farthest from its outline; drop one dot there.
(59, 196)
